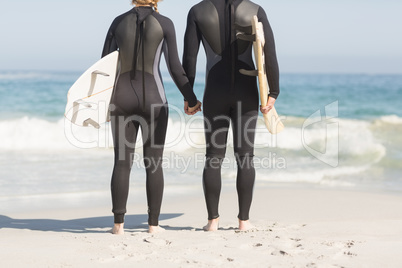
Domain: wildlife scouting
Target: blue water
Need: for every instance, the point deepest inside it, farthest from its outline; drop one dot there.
(360, 96)
(37, 94)
(37, 156)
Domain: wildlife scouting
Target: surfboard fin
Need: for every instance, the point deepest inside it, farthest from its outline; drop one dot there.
(100, 73)
(83, 103)
(249, 72)
(91, 122)
(246, 37)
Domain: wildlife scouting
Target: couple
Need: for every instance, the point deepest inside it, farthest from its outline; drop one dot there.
(141, 35)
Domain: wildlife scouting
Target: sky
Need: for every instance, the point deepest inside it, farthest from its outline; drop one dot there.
(312, 36)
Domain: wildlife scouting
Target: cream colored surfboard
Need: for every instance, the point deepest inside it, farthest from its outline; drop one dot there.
(272, 119)
(89, 97)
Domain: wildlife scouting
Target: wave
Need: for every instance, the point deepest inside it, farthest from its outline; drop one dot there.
(362, 156)
(390, 119)
(32, 134)
(355, 137)
(343, 138)
(323, 176)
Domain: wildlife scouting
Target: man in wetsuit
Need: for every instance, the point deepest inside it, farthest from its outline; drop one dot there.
(229, 96)
(141, 35)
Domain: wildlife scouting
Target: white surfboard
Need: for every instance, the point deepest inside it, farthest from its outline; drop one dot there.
(89, 97)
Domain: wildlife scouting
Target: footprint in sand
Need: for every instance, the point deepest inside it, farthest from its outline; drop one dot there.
(339, 245)
(157, 241)
(341, 248)
(351, 243)
(119, 246)
(293, 227)
(278, 252)
(351, 254)
(297, 243)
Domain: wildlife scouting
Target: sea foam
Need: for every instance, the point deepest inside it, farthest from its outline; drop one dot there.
(355, 136)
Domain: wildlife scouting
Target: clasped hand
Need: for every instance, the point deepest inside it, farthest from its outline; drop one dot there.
(192, 110)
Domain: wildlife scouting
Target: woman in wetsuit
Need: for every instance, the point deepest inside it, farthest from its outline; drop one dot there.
(229, 96)
(139, 100)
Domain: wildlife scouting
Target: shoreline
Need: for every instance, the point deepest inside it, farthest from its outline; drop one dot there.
(173, 193)
(295, 227)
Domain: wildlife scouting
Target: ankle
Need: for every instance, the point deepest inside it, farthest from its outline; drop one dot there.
(245, 225)
(212, 225)
(118, 228)
(155, 229)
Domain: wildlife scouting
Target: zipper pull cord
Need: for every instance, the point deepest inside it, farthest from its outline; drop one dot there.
(143, 64)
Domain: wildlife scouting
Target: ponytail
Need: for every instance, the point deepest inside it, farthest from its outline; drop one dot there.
(152, 3)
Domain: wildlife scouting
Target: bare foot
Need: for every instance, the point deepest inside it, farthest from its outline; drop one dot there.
(118, 229)
(212, 225)
(245, 225)
(155, 229)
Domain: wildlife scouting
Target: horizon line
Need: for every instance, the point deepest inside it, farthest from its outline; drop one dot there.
(166, 72)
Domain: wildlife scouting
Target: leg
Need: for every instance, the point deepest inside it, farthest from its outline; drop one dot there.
(154, 134)
(244, 123)
(216, 131)
(245, 185)
(124, 131)
(212, 185)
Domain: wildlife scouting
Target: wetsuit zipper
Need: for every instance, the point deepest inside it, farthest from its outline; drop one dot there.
(143, 65)
(233, 44)
(229, 28)
(139, 42)
(135, 55)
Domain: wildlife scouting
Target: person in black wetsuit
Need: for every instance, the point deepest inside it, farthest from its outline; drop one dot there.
(141, 35)
(229, 96)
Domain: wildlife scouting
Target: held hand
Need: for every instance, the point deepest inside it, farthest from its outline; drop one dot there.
(192, 110)
(186, 108)
(195, 109)
(269, 106)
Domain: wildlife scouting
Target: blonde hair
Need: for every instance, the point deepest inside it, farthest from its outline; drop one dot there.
(152, 3)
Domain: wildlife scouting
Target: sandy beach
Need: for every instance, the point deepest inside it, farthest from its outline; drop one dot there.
(328, 190)
(295, 227)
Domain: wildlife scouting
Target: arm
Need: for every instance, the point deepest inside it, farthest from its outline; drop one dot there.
(173, 63)
(271, 62)
(110, 42)
(192, 40)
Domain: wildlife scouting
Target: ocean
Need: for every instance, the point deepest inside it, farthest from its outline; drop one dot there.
(342, 131)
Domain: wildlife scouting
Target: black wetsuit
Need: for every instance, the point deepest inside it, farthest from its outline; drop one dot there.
(141, 35)
(229, 96)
